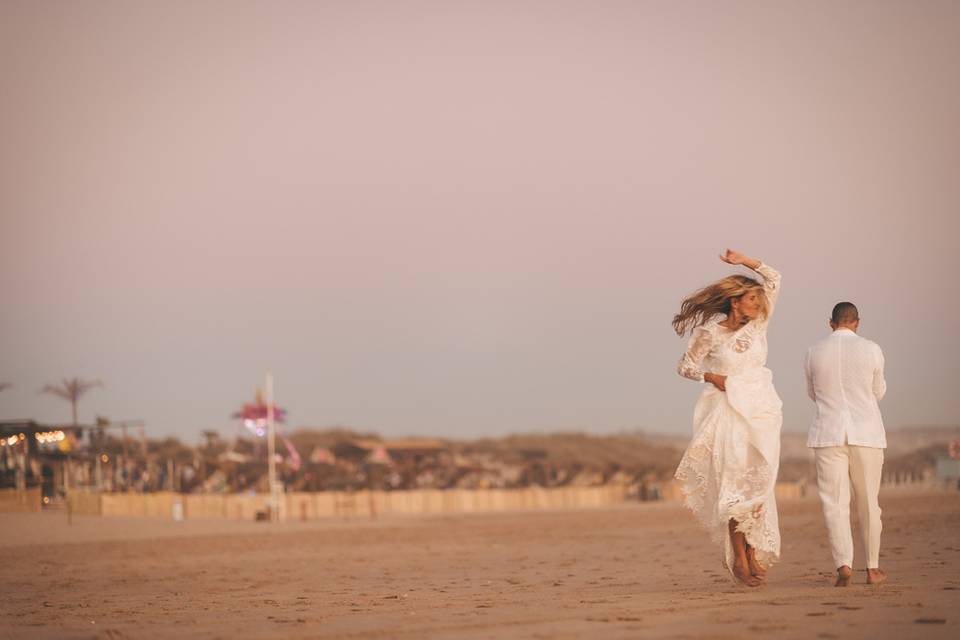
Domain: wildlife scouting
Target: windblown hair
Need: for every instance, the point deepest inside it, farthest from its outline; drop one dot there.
(715, 299)
(844, 312)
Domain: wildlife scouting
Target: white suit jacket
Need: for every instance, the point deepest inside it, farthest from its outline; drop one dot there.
(845, 379)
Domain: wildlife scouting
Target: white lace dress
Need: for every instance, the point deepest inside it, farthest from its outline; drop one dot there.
(730, 467)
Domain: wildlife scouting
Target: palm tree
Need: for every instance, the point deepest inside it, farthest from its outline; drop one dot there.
(71, 390)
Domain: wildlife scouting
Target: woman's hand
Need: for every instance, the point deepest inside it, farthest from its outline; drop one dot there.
(720, 382)
(735, 257)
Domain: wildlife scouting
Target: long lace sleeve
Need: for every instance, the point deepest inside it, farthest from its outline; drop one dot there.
(771, 285)
(699, 346)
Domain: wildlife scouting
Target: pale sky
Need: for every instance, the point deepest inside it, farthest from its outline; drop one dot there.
(465, 218)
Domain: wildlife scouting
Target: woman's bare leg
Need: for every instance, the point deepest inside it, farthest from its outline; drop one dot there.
(756, 569)
(741, 566)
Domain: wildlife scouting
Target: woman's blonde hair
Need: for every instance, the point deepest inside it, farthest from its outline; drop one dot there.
(714, 299)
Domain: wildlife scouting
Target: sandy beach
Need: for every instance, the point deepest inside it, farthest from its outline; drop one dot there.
(641, 570)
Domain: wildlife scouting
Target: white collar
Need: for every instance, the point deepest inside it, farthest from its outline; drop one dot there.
(844, 330)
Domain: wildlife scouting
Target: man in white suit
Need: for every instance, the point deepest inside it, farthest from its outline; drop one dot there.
(845, 379)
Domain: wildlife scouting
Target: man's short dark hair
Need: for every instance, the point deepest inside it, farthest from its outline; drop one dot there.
(844, 313)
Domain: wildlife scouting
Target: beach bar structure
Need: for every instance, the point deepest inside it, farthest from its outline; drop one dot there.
(388, 452)
(39, 456)
(58, 458)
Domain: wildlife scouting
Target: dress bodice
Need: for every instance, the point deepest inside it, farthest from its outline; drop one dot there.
(733, 352)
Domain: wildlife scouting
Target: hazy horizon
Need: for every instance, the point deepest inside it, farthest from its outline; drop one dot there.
(465, 219)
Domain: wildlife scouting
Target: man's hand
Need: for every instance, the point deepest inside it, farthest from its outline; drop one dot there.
(720, 382)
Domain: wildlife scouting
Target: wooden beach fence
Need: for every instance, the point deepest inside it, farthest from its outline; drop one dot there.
(20, 500)
(342, 504)
(350, 504)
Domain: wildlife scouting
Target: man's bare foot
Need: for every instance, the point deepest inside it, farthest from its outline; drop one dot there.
(876, 576)
(742, 573)
(756, 570)
(844, 574)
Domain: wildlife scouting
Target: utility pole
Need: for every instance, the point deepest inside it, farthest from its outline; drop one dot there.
(151, 475)
(124, 465)
(271, 453)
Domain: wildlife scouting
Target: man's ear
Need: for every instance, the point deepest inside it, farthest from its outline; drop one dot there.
(833, 325)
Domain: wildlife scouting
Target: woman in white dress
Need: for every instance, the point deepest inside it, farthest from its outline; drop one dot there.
(729, 470)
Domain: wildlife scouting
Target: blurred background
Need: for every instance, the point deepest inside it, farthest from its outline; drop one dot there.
(457, 221)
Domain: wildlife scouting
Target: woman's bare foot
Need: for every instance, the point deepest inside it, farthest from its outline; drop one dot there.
(756, 570)
(741, 571)
(741, 567)
(844, 574)
(876, 576)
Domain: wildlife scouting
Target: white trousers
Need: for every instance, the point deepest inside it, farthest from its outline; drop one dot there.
(837, 469)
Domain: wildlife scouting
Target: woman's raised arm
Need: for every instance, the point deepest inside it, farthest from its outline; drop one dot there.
(771, 277)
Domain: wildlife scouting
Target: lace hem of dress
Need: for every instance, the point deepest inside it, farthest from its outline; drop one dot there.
(748, 499)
